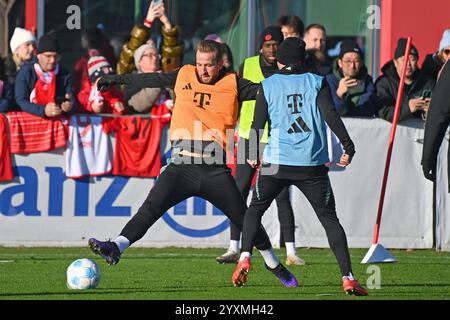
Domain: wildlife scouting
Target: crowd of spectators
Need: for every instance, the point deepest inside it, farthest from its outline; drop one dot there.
(33, 81)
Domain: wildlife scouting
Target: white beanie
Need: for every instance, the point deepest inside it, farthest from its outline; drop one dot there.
(140, 51)
(445, 41)
(19, 37)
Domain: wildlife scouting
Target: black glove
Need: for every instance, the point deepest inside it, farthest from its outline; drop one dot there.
(429, 173)
(106, 82)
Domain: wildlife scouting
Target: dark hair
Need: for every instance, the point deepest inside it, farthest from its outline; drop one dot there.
(294, 22)
(93, 36)
(315, 26)
(227, 51)
(211, 46)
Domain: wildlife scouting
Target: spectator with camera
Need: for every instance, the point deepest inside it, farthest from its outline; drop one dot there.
(43, 88)
(172, 51)
(416, 92)
(351, 86)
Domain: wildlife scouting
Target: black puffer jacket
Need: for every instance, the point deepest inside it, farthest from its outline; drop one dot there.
(387, 87)
(10, 69)
(437, 123)
(432, 65)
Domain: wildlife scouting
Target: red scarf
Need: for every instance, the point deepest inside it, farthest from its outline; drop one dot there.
(45, 88)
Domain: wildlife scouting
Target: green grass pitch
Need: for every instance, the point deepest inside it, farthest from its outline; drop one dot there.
(193, 274)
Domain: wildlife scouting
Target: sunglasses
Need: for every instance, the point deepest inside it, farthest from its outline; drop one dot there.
(446, 51)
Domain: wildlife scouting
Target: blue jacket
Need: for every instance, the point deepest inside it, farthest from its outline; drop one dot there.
(7, 99)
(366, 105)
(27, 78)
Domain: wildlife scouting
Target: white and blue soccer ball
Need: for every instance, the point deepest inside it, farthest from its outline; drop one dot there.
(83, 274)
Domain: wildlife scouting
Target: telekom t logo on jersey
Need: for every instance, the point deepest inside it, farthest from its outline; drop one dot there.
(204, 99)
(295, 103)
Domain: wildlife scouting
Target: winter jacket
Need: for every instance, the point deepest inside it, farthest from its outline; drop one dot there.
(387, 87)
(25, 82)
(432, 65)
(6, 97)
(7, 102)
(10, 69)
(172, 50)
(359, 103)
(110, 97)
(438, 121)
(318, 63)
(80, 76)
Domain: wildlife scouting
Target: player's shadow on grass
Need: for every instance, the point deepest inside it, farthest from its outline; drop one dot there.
(417, 285)
(108, 291)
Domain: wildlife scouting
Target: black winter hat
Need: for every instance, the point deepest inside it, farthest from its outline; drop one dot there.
(272, 33)
(401, 48)
(291, 51)
(47, 43)
(349, 45)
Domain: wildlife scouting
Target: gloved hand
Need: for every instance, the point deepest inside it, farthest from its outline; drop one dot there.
(106, 82)
(429, 173)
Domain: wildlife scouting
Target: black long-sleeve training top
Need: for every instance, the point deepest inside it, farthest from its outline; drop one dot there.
(326, 107)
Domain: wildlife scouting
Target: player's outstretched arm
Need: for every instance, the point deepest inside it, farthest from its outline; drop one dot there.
(138, 80)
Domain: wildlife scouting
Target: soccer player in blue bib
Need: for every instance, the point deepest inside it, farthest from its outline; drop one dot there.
(298, 105)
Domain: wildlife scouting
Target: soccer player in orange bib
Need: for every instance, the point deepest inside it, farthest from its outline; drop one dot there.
(203, 121)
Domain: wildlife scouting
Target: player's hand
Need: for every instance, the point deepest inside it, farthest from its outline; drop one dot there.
(106, 82)
(344, 161)
(252, 163)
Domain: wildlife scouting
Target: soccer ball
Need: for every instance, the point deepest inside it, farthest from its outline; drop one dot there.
(83, 274)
